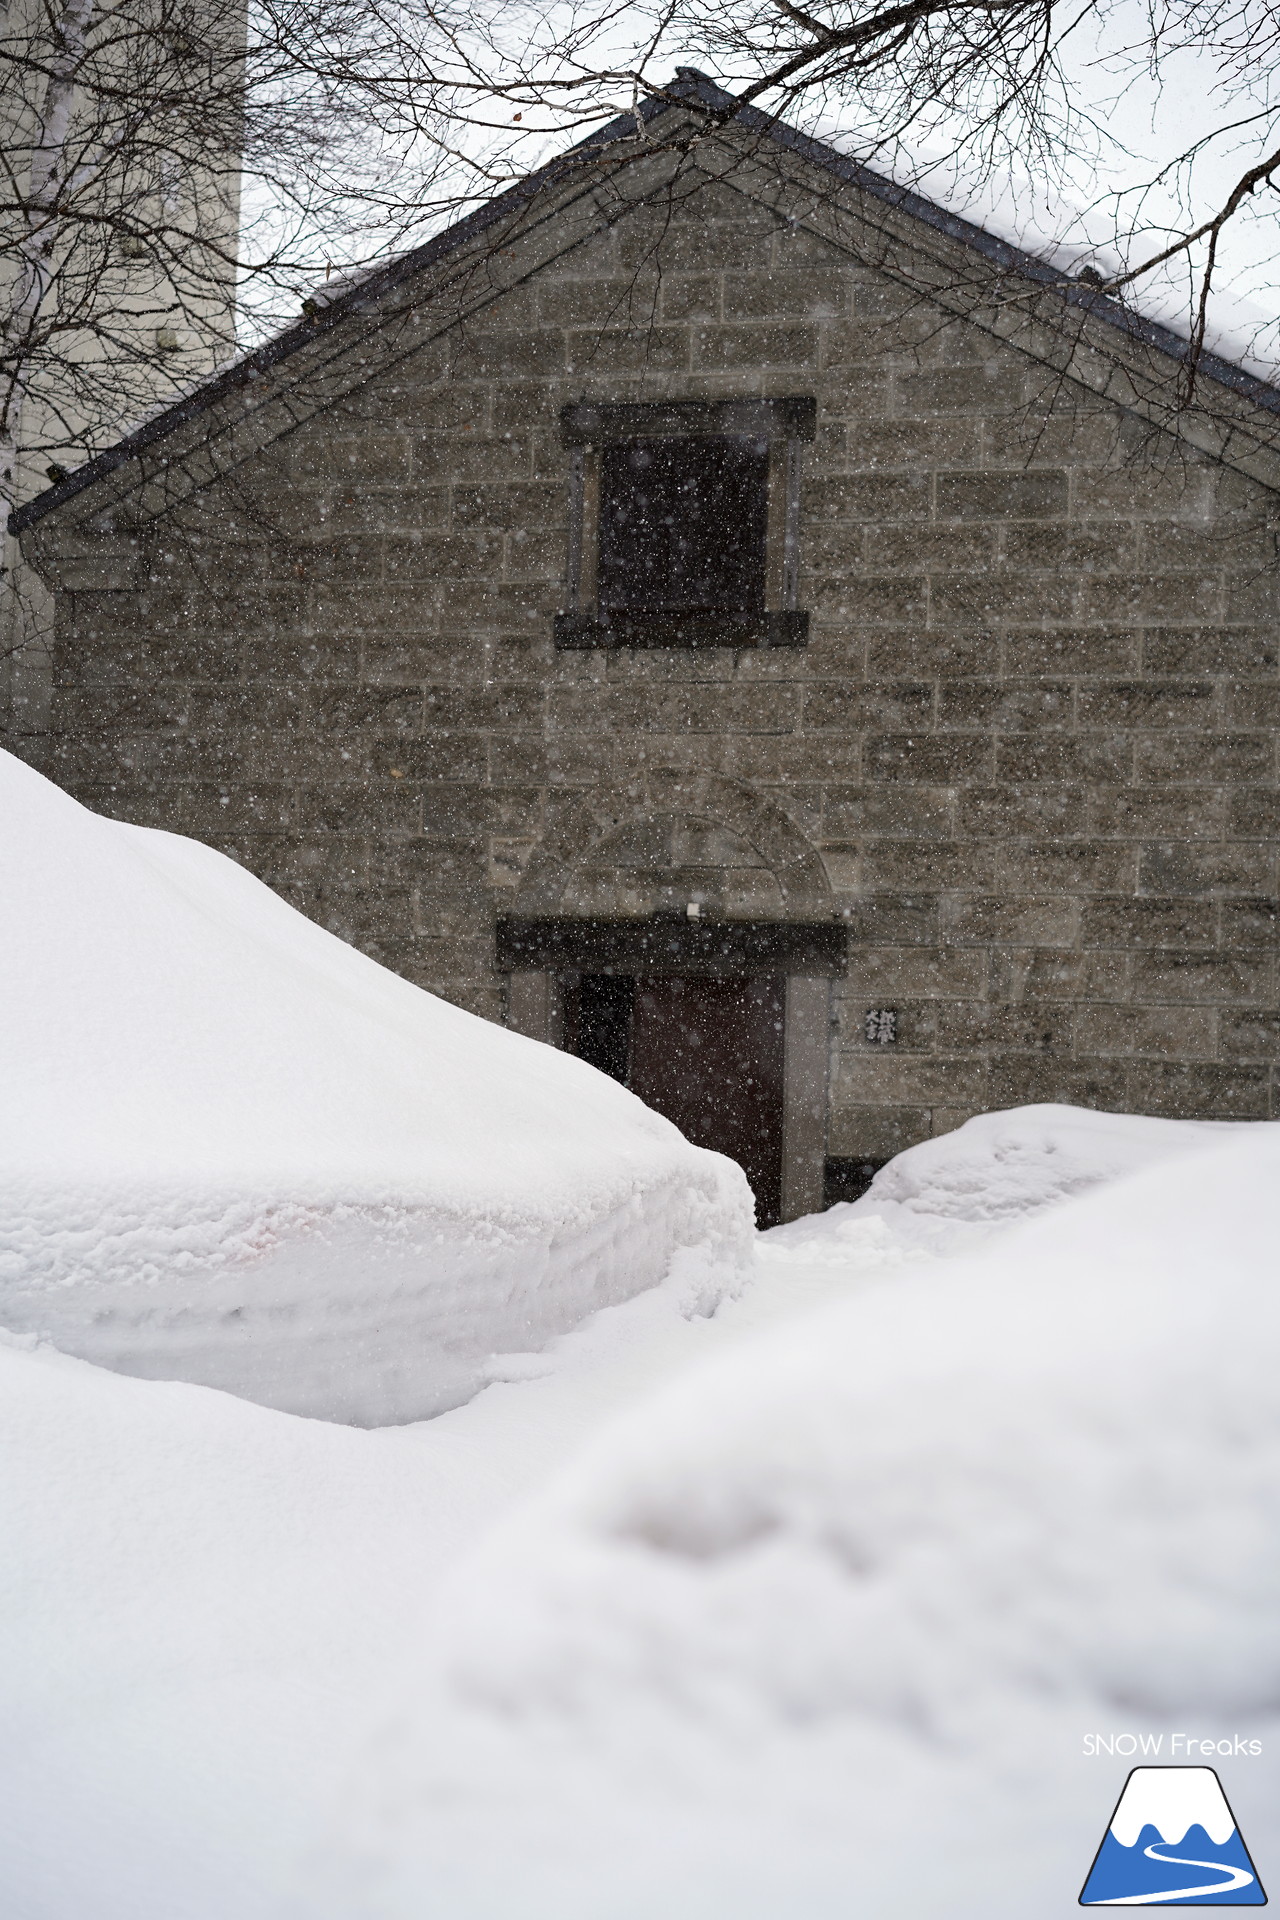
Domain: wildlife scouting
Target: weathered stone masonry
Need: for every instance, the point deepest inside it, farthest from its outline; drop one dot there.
(1028, 755)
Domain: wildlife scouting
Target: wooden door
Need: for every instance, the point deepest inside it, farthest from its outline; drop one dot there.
(707, 1053)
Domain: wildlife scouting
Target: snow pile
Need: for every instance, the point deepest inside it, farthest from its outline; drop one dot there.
(235, 1151)
(1004, 1166)
(207, 1608)
(949, 1194)
(194, 1594)
(879, 1541)
(821, 1627)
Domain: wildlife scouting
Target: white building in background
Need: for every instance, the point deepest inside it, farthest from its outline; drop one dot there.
(120, 130)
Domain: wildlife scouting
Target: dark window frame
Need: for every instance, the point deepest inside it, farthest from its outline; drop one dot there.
(587, 428)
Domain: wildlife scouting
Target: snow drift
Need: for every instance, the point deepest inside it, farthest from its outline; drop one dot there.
(952, 1193)
(819, 1628)
(827, 1646)
(1007, 1166)
(235, 1151)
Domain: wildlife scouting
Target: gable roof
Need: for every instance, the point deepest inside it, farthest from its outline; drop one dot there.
(688, 90)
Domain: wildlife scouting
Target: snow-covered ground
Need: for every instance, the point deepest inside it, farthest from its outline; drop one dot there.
(739, 1576)
(804, 1606)
(233, 1150)
(822, 1627)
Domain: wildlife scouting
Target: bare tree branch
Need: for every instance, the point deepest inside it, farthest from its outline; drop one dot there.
(1248, 183)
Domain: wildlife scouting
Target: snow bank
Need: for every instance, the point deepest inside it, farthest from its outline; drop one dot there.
(235, 1151)
(948, 1194)
(199, 1600)
(207, 1608)
(1005, 1166)
(822, 1628)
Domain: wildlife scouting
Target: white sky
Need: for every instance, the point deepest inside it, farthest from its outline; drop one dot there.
(1107, 206)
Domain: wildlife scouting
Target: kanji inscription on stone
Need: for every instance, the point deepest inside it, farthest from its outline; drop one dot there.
(881, 1026)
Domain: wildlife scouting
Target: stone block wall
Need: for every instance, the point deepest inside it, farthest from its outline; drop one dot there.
(1029, 754)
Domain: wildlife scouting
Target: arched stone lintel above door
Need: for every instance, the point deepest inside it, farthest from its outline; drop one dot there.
(611, 886)
(758, 839)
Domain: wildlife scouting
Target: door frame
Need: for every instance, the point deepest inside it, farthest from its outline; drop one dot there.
(533, 953)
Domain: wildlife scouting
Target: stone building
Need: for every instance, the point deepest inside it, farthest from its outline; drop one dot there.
(718, 612)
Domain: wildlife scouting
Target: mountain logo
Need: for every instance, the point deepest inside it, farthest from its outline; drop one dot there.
(1172, 1842)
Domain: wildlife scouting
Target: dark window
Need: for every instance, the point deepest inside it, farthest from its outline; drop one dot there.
(683, 523)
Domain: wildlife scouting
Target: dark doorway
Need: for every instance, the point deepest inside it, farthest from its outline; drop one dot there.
(847, 1179)
(598, 1023)
(706, 1052)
